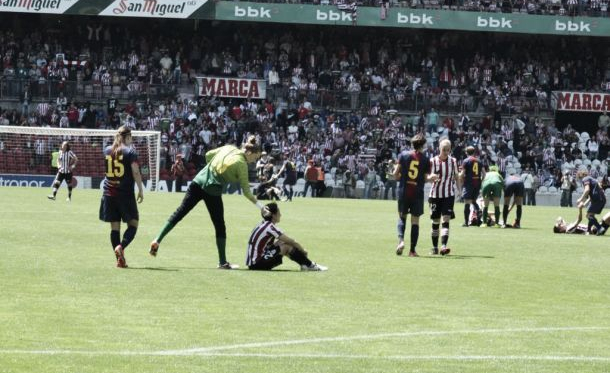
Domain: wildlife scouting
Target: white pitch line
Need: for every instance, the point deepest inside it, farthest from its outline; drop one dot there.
(323, 356)
(373, 337)
(216, 350)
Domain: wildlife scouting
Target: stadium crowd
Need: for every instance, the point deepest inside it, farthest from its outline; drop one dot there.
(495, 74)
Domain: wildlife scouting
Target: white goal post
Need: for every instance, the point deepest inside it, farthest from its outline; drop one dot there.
(29, 151)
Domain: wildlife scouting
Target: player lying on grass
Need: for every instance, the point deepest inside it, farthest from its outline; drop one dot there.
(268, 245)
(561, 226)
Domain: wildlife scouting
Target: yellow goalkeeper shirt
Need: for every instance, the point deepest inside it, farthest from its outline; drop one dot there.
(226, 164)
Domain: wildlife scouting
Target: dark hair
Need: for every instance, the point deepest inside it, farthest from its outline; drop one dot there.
(269, 210)
(251, 146)
(67, 145)
(418, 141)
(556, 229)
(470, 150)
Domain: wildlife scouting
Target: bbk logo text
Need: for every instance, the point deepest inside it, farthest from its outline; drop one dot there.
(415, 19)
(572, 26)
(493, 22)
(252, 12)
(333, 16)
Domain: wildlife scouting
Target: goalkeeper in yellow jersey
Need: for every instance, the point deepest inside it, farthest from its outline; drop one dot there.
(227, 164)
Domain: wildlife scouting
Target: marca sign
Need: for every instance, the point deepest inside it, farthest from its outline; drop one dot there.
(231, 87)
(36, 6)
(153, 8)
(582, 101)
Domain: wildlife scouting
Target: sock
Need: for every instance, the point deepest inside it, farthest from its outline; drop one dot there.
(593, 223)
(221, 244)
(54, 192)
(400, 227)
(505, 213)
(166, 229)
(466, 213)
(128, 236)
(115, 238)
(484, 215)
(435, 235)
(445, 234)
(519, 212)
(604, 225)
(414, 236)
(70, 192)
(497, 213)
(299, 257)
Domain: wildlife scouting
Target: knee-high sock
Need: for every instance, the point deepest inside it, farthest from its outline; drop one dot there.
(466, 213)
(400, 227)
(165, 230)
(445, 233)
(128, 236)
(414, 236)
(505, 213)
(70, 191)
(592, 223)
(299, 257)
(221, 244)
(115, 238)
(484, 215)
(519, 212)
(497, 214)
(435, 235)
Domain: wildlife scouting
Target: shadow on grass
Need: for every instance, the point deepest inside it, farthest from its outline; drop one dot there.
(438, 257)
(177, 269)
(160, 269)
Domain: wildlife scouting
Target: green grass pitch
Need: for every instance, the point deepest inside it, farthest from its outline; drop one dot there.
(504, 300)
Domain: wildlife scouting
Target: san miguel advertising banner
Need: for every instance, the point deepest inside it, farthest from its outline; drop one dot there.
(581, 101)
(231, 87)
(153, 8)
(36, 6)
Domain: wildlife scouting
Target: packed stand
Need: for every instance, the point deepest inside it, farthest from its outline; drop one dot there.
(491, 72)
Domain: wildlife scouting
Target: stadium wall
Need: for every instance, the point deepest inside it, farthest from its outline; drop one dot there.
(396, 17)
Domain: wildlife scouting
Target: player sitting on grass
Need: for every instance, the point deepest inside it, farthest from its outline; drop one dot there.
(561, 226)
(268, 244)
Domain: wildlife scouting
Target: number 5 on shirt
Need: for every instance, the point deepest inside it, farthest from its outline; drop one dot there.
(413, 170)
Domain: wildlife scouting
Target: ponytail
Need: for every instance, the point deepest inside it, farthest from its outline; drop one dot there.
(119, 139)
(251, 146)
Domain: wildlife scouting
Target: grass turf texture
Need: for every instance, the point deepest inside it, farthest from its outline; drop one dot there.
(504, 301)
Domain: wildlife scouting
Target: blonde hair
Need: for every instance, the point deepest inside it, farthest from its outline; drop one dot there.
(444, 143)
(251, 146)
(119, 139)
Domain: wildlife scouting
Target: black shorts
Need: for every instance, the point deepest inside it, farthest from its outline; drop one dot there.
(64, 176)
(597, 205)
(514, 189)
(415, 207)
(118, 208)
(271, 258)
(441, 207)
(470, 192)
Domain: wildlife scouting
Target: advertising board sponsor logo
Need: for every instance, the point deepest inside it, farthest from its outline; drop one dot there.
(231, 87)
(582, 101)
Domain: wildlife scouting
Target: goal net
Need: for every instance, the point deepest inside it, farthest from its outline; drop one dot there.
(30, 151)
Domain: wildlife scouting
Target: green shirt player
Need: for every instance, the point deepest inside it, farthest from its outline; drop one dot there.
(226, 164)
(493, 184)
